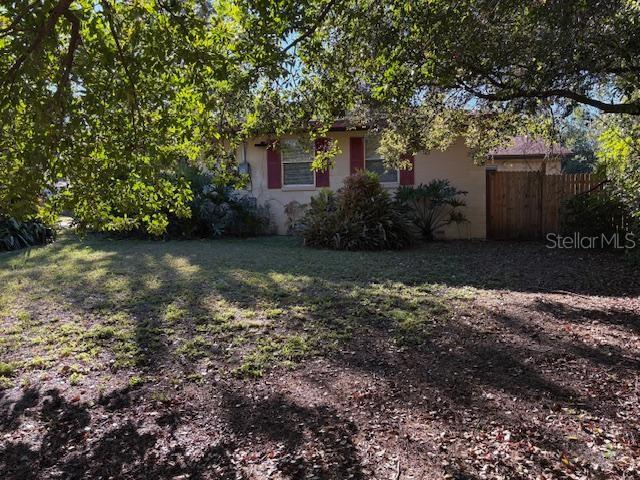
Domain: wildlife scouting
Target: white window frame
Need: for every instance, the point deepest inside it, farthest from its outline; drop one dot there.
(379, 157)
(296, 186)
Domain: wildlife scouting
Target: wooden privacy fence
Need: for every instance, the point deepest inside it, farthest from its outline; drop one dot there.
(526, 205)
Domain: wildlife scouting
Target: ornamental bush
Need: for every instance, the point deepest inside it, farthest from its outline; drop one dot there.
(359, 216)
(15, 234)
(218, 211)
(595, 214)
(432, 206)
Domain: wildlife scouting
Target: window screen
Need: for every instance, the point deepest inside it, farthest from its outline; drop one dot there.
(296, 163)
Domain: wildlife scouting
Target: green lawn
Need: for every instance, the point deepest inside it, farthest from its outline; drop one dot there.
(239, 306)
(260, 357)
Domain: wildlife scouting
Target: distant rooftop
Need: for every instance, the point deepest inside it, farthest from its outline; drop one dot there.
(524, 146)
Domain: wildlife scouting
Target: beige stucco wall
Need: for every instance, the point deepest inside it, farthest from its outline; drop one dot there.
(553, 166)
(453, 164)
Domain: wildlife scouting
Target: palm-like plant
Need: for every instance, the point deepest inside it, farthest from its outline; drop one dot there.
(432, 206)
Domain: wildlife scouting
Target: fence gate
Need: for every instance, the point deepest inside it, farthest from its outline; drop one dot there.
(526, 205)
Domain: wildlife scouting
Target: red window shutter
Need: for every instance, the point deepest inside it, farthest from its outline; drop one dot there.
(274, 167)
(356, 154)
(322, 178)
(407, 177)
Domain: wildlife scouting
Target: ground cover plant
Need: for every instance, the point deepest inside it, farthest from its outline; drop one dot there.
(259, 358)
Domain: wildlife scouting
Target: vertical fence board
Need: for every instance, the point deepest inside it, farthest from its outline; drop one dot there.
(526, 205)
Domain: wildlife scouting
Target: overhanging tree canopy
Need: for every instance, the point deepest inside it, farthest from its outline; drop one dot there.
(420, 62)
(112, 94)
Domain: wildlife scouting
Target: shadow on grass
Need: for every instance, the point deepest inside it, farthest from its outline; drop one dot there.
(624, 318)
(68, 450)
(391, 310)
(128, 450)
(333, 291)
(280, 420)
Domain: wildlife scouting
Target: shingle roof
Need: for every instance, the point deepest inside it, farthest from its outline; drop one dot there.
(524, 146)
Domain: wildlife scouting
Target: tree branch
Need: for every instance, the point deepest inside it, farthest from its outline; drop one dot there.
(510, 90)
(45, 28)
(74, 41)
(306, 34)
(114, 34)
(630, 108)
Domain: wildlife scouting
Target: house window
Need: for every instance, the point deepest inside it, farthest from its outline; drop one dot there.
(296, 164)
(373, 162)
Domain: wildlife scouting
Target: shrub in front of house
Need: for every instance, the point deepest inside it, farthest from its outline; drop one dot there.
(223, 211)
(433, 206)
(15, 234)
(219, 211)
(359, 216)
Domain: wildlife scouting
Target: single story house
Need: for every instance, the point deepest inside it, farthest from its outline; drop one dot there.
(281, 175)
(528, 154)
